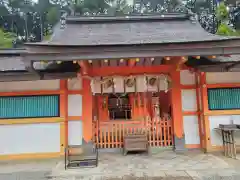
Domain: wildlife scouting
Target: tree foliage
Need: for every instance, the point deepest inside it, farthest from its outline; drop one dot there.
(33, 20)
(6, 39)
(222, 14)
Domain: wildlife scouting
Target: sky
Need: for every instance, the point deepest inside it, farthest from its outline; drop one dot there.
(129, 1)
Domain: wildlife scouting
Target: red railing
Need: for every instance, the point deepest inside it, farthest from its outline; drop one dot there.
(110, 134)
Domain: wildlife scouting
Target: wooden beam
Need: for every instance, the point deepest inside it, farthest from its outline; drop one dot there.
(31, 93)
(177, 114)
(204, 117)
(198, 100)
(131, 62)
(27, 76)
(87, 110)
(224, 85)
(125, 71)
(84, 67)
(63, 114)
(222, 112)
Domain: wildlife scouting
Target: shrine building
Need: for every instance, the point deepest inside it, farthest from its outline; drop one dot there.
(99, 77)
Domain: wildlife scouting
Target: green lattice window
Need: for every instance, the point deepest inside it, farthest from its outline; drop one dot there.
(224, 98)
(29, 106)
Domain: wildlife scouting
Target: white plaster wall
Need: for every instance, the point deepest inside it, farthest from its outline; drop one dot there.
(29, 138)
(75, 84)
(220, 77)
(75, 105)
(214, 122)
(187, 77)
(215, 135)
(75, 132)
(189, 101)
(191, 129)
(29, 85)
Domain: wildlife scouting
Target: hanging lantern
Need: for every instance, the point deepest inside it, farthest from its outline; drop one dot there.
(167, 58)
(107, 83)
(184, 59)
(130, 81)
(152, 81)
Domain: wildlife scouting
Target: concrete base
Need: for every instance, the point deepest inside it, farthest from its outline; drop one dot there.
(179, 144)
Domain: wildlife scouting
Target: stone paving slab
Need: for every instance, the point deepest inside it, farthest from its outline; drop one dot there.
(165, 165)
(139, 165)
(27, 166)
(37, 175)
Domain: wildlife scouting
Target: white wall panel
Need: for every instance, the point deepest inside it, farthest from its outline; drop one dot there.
(29, 138)
(29, 85)
(223, 77)
(75, 105)
(187, 78)
(75, 84)
(191, 129)
(189, 101)
(214, 121)
(75, 132)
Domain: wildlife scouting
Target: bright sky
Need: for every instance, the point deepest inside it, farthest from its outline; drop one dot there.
(129, 1)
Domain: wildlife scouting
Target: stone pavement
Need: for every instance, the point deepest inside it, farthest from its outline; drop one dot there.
(165, 165)
(159, 165)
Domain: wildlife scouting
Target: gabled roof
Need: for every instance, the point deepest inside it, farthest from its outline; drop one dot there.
(169, 28)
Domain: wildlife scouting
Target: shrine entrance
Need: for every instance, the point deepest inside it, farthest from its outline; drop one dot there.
(130, 105)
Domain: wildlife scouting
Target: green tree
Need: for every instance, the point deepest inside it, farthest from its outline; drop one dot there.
(6, 39)
(53, 15)
(222, 15)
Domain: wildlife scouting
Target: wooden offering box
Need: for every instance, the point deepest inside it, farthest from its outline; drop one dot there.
(135, 142)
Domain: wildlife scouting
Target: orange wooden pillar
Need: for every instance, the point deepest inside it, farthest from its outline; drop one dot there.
(204, 109)
(63, 114)
(87, 114)
(198, 100)
(176, 101)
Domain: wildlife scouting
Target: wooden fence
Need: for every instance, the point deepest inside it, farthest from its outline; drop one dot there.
(110, 134)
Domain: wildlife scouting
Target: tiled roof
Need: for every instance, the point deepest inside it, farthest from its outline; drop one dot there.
(131, 30)
(230, 58)
(15, 63)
